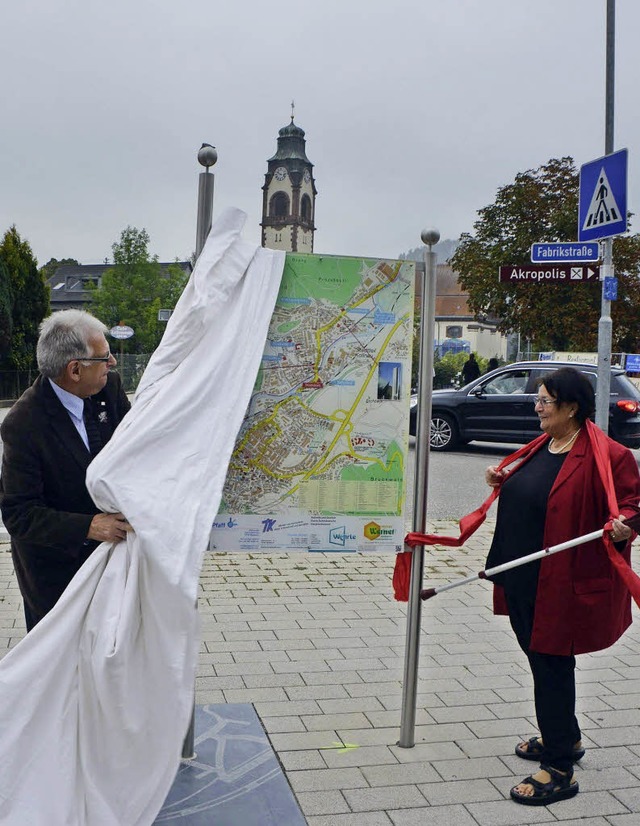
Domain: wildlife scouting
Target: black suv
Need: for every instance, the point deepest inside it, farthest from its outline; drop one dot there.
(498, 407)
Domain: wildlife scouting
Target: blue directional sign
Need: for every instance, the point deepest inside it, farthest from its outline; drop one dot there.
(632, 363)
(610, 290)
(602, 211)
(560, 252)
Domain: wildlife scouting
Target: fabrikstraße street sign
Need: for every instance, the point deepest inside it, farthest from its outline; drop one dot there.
(564, 252)
(549, 275)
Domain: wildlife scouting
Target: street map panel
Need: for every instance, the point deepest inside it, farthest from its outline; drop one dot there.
(319, 461)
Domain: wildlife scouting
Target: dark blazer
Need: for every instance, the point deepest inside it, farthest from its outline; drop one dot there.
(43, 498)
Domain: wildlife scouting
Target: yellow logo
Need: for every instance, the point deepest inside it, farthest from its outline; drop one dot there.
(374, 531)
(371, 530)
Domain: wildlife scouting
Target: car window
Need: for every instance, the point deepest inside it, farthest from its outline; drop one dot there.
(622, 386)
(514, 381)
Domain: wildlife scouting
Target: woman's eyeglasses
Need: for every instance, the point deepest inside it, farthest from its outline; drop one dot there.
(545, 402)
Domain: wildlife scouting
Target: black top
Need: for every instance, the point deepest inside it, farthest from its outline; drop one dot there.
(522, 510)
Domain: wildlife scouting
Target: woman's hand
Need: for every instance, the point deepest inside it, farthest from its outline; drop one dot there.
(619, 531)
(494, 477)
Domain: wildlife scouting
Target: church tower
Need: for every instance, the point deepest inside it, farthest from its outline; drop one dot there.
(289, 194)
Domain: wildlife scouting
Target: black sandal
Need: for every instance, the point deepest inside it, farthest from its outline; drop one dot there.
(560, 787)
(535, 750)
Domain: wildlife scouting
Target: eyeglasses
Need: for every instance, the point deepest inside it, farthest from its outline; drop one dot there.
(94, 358)
(543, 401)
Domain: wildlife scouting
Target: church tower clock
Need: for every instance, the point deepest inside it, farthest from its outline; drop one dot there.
(289, 194)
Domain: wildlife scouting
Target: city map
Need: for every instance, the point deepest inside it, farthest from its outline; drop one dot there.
(319, 461)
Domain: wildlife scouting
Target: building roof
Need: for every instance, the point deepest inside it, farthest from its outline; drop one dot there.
(69, 283)
(451, 299)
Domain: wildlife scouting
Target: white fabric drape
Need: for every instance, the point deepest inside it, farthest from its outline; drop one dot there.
(95, 701)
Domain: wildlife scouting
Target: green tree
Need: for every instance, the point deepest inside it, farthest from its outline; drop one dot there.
(49, 269)
(135, 288)
(542, 205)
(28, 296)
(6, 318)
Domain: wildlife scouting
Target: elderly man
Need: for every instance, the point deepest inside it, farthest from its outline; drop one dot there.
(50, 436)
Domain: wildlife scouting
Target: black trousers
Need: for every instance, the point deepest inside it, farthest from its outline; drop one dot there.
(554, 682)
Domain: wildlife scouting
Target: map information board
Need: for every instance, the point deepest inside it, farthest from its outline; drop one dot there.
(320, 459)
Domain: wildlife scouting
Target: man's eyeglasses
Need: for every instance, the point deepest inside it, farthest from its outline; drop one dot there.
(94, 358)
(543, 401)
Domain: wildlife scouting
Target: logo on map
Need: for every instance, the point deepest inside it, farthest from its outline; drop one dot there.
(374, 531)
(339, 536)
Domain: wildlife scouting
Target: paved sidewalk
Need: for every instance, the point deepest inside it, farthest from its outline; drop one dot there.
(316, 643)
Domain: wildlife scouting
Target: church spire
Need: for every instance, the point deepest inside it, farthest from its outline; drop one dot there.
(289, 193)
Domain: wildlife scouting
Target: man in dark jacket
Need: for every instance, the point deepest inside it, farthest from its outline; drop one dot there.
(470, 369)
(50, 436)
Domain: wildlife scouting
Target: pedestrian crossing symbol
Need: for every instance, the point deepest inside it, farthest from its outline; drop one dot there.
(603, 208)
(603, 197)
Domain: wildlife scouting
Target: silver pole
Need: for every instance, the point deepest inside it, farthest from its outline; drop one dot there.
(207, 156)
(421, 487)
(605, 323)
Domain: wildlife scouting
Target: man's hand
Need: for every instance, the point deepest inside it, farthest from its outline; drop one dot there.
(108, 527)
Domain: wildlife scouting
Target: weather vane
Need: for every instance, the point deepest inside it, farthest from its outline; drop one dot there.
(293, 106)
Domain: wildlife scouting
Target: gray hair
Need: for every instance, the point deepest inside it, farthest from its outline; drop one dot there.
(64, 336)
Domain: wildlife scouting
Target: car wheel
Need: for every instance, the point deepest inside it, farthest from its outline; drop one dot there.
(444, 432)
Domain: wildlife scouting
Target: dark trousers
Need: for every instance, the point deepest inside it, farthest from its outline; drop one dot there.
(554, 682)
(31, 620)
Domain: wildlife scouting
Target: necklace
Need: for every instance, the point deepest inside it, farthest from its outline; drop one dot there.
(563, 445)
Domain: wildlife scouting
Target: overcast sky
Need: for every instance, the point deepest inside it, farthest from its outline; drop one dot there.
(415, 111)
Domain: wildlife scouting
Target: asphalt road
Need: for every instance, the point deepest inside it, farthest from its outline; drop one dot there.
(456, 479)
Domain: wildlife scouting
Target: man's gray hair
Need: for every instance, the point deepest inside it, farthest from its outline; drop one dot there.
(64, 336)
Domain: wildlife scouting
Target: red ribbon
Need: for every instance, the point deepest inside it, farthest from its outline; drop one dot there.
(470, 523)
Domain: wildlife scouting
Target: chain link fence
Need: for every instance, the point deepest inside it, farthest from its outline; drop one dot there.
(13, 383)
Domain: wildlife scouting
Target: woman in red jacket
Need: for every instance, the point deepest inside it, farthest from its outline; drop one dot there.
(569, 603)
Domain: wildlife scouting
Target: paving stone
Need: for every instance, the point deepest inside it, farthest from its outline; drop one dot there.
(433, 816)
(366, 756)
(323, 803)
(384, 797)
(321, 779)
(508, 813)
(458, 791)
(352, 720)
(356, 819)
(406, 773)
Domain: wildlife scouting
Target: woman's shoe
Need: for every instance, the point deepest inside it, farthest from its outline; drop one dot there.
(535, 750)
(560, 787)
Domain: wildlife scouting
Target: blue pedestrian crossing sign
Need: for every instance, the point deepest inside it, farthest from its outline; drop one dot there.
(602, 211)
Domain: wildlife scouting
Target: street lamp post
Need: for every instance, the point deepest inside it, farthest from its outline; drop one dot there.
(207, 156)
(414, 606)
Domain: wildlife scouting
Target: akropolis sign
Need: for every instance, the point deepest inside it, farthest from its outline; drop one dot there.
(549, 275)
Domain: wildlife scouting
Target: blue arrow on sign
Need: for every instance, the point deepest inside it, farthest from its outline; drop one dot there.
(602, 210)
(560, 252)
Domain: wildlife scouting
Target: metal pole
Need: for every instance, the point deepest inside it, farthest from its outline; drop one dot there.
(207, 156)
(605, 323)
(421, 487)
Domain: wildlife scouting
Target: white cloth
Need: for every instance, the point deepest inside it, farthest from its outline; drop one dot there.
(95, 701)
